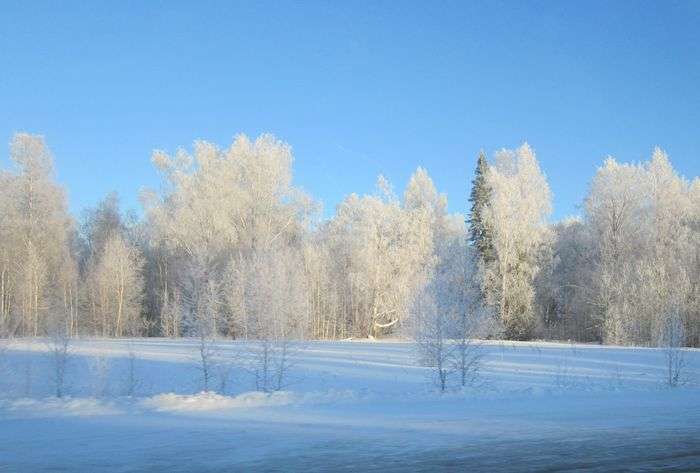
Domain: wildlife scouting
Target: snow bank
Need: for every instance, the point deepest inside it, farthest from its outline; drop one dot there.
(209, 401)
(51, 407)
(170, 402)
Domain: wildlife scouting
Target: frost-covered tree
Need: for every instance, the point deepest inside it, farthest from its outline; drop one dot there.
(448, 316)
(380, 249)
(457, 286)
(112, 267)
(431, 331)
(267, 294)
(99, 225)
(640, 216)
(35, 229)
(59, 350)
(224, 205)
(220, 199)
(565, 299)
(224, 249)
(231, 247)
(324, 286)
(426, 209)
(162, 301)
(615, 210)
(516, 216)
(9, 245)
(447, 312)
(116, 289)
(201, 308)
(672, 340)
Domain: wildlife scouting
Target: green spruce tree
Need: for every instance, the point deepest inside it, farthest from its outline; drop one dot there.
(479, 234)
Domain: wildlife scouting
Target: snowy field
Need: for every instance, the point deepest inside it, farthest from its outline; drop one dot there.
(348, 406)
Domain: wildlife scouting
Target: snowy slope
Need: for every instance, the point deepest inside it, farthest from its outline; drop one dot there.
(348, 406)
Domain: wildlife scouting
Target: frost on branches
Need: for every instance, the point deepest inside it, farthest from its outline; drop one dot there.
(230, 247)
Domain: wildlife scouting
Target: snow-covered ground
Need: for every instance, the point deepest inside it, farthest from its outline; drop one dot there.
(348, 406)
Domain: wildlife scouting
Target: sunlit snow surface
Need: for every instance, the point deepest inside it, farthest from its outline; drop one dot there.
(349, 406)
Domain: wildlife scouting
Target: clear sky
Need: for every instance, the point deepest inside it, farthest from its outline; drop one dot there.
(357, 88)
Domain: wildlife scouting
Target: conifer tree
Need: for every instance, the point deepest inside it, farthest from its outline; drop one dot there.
(479, 235)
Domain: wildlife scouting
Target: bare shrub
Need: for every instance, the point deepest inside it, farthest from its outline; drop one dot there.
(672, 340)
(430, 333)
(99, 368)
(271, 360)
(132, 381)
(60, 351)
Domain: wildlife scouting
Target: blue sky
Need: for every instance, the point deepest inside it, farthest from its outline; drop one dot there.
(357, 88)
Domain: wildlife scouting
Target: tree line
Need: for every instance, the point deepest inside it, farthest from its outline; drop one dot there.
(230, 247)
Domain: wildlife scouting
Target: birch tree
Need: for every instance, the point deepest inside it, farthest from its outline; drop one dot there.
(112, 267)
(641, 219)
(220, 207)
(268, 298)
(9, 247)
(117, 289)
(565, 285)
(381, 250)
(37, 228)
(431, 333)
(516, 216)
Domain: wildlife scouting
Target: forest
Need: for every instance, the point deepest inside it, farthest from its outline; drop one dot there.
(229, 247)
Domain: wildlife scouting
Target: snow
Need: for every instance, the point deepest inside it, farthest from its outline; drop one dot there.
(208, 401)
(348, 405)
(52, 407)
